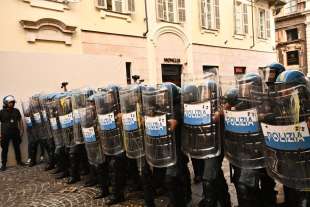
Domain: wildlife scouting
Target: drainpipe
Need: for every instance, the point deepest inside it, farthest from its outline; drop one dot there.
(146, 19)
(252, 10)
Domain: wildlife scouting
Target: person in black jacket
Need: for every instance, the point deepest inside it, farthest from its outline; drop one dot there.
(11, 129)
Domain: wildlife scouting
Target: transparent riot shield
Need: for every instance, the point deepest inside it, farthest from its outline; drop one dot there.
(64, 108)
(79, 100)
(159, 140)
(29, 120)
(53, 115)
(91, 136)
(131, 108)
(38, 117)
(201, 115)
(46, 125)
(284, 116)
(108, 112)
(243, 139)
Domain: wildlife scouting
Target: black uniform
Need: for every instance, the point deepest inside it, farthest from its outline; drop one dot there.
(9, 131)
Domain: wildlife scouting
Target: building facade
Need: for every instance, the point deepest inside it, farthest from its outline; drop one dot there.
(292, 35)
(96, 42)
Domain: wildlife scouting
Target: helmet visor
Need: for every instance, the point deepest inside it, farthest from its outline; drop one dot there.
(268, 75)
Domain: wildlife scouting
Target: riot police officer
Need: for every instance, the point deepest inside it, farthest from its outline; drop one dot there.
(202, 135)
(163, 122)
(243, 144)
(133, 133)
(110, 131)
(77, 152)
(286, 131)
(11, 129)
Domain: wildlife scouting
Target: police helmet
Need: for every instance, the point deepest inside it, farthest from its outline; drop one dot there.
(247, 83)
(270, 73)
(231, 96)
(8, 99)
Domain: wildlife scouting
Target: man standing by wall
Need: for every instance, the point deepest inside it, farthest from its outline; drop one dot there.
(11, 129)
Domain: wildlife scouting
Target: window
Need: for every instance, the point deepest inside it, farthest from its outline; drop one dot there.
(292, 57)
(264, 24)
(210, 69)
(128, 72)
(171, 10)
(292, 34)
(241, 18)
(210, 14)
(119, 6)
(290, 6)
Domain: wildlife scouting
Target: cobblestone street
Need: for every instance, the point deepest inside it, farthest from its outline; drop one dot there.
(24, 186)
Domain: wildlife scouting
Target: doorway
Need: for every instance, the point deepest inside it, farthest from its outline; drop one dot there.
(172, 73)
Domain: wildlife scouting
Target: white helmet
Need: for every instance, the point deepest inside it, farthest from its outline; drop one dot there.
(8, 99)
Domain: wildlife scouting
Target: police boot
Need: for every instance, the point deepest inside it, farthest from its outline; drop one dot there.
(91, 179)
(118, 180)
(268, 193)
(209, 195)
(3, 166)
(247, 197)
(223, 196)
(84, 165)
(74, 175)
(102, 179)
(33, 154)
(51, 156)
(63, 165)
(147, 185)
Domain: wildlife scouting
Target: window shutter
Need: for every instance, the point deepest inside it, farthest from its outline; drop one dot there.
(235, 17)
(118, 6)
(181, 10)
(245, 19)
(258, 22)
(171, 11)
(131, 6)
(217, 14)
(267, 14)
(203, 13)
(102, 3)
(209, 14)
(160, 9)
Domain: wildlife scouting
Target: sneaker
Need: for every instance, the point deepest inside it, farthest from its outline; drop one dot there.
(3, 168)
(28, 161)
(41, 158)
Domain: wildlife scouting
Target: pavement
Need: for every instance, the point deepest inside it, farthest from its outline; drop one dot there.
(33, 187)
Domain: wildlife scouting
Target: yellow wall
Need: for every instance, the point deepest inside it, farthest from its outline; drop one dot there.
(226, 32)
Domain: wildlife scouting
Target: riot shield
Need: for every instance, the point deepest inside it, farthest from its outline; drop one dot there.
(52, 106)
(284, 116)
(243, 139)
(159, 140)
(200, 106)
(79, 101)
(88, 121)
(29, 120)
(131, 109)
(64, 108)
(46, 124)
(38, 117)
(108, 111)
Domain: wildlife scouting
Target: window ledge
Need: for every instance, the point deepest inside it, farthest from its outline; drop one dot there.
(239, 36)
(51, 5)
(104, 14)
(210, 31)
(265, 40)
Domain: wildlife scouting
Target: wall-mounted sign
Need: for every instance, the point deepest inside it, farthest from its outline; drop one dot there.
(292, 57)
(172, 60)
(239, 70)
